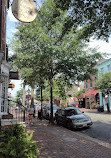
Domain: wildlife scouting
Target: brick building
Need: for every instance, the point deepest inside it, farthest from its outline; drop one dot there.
(4, 67)
(90, 99)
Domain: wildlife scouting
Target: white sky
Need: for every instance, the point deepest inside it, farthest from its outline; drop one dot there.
(103, 46)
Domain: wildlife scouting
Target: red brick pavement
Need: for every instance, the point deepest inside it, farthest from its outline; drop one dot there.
(59, 142)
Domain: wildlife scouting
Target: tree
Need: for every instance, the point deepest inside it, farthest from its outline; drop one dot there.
(41, 56)
(93, 16)
(18, 98)
(104, 83)
(79, 92)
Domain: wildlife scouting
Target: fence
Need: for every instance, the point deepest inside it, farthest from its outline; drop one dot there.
(19, 113)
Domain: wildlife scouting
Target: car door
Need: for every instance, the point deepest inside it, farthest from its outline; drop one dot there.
(62, 117)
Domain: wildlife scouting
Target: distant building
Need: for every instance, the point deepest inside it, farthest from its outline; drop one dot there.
(104, 67)
(89, 99)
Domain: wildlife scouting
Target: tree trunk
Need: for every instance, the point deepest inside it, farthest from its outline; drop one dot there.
(51, 101)
(41, 104)
(32, 97)
(23, 102)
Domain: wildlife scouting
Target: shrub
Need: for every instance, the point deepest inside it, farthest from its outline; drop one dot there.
(16, 143)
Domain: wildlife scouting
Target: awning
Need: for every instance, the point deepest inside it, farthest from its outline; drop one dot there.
(90, 93)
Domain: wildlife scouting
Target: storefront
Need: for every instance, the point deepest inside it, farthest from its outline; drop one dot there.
(89, 100)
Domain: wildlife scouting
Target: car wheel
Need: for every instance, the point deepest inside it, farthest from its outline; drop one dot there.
(47, 117)
(88, 126)
(57, 121)
(69, 125)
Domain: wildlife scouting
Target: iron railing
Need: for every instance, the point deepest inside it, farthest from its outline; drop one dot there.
(19, 113)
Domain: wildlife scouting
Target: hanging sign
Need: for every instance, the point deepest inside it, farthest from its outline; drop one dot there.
(24, 10)
(11, 85)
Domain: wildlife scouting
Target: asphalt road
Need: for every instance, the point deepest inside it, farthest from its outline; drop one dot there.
(101, 128)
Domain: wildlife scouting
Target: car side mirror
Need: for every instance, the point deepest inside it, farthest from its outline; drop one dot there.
(83, 112)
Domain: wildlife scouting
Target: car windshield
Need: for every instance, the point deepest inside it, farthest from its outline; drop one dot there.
(73, 112)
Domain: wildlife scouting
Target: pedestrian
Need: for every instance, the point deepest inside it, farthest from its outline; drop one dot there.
(31, 113)
(107, 103)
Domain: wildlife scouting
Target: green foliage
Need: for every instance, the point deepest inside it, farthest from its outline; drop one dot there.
(16, 143)
(40, 55)
(79, 92)
(104, 83)
(94, 16)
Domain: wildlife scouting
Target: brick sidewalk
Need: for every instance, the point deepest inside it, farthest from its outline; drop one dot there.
(59, 142)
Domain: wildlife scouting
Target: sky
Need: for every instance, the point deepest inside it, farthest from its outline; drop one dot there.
(102, 46)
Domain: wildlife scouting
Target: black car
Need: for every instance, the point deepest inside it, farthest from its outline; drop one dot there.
(72, 118)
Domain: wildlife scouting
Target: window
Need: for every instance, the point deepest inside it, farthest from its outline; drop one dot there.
(109, 68)
(95, 79)
(90, 83)
(86, 84)
(4, 99)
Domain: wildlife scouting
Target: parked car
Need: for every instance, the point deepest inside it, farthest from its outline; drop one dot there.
(72, 118)
(47, 111)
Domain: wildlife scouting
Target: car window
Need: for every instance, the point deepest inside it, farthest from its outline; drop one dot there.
(73, 112)
(78, 112)
(70, 112)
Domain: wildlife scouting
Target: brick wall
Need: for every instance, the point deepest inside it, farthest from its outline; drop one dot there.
(87, 84)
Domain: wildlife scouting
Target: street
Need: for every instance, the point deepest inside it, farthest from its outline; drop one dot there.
(101, 128)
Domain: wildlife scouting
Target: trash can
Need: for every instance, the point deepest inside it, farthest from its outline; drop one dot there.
(98, 108)
(102, 109)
